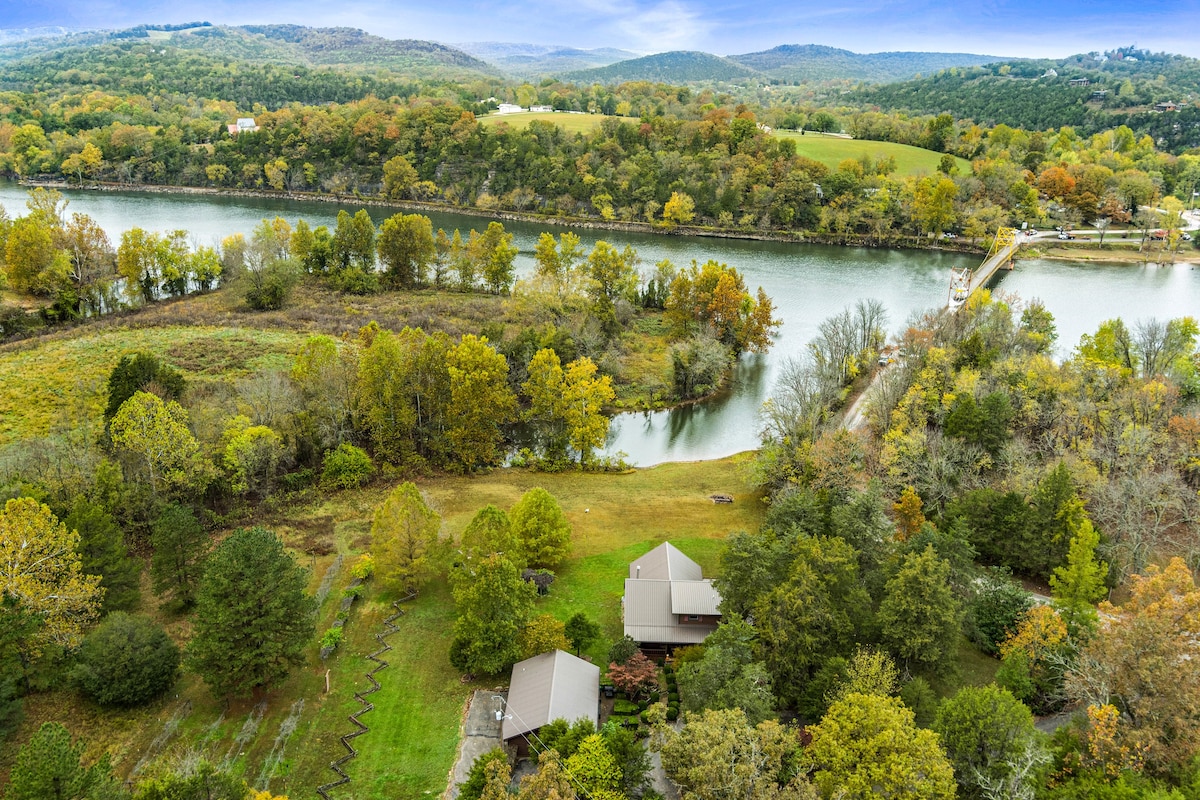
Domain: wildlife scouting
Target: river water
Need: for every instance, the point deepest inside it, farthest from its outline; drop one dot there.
(807, 282)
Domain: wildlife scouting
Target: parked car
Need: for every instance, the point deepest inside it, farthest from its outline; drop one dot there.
(1065, 235)
(1187, 237)
(1158, 236)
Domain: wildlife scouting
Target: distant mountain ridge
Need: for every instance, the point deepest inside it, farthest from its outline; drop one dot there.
(813, 62)
(525, 59)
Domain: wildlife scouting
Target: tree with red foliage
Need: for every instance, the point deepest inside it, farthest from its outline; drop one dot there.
(635, 676)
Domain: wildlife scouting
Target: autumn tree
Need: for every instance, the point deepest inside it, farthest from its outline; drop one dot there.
(1032, 659)
(868, 746)
(728, 675)
(480, 401)
(1141, 660)
(156, 437)
(909, 517)
(494, 252)
(253, 618)
(543, 633)
(541, 527)
(635, 676)
(680, 209)
(353, 243)
(252, 457)
(399, 177)
(404, 539)
(493, 609)
(568, 404)
(40, 567)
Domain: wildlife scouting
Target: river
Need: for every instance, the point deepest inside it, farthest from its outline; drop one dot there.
(807, 282)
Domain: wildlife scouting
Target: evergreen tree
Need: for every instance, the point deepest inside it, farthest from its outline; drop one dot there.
(919, 617)
(126, 661)
(49, 767)
(179, 547)
(133, 373)
(102, 552)
(253, 618)
(1079, 584)
(16, 626)
(404, 539)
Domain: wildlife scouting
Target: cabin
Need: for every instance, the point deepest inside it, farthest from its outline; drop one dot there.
(1079, 82)
(509, 108)
(550, 686)
(542, 109)
(668, 602)
(1162, 108)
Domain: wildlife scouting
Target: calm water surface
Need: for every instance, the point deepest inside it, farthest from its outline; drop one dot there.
(807, 282)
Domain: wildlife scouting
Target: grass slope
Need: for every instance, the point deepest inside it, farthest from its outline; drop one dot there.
(832, 150)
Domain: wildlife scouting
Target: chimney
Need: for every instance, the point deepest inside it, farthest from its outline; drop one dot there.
(639, 571)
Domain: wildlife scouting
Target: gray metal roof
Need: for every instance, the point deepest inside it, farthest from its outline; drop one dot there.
(550, 686)
(665, 563)
(650, 618)
(694, 597)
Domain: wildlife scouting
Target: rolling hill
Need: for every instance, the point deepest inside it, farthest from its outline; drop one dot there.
(268, 44)
(680, 66)
(811, 62)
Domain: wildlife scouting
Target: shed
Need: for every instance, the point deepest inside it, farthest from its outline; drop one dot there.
(550, 686)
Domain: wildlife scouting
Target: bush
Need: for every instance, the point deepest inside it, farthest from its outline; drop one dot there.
(672, 713)
(126, 661)
(363, 568)
(346, 467)
(624, 708)
(996, 610)
(332, 638)
(622, 650)
(268, 288)
(672, 697)
(472, 788)
(655, 696)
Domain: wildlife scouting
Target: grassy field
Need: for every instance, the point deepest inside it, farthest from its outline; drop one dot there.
(832, 150)
(47, 382)
(571, 123)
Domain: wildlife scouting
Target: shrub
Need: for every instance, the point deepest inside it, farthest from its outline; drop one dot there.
(126, 661)
(332, 638)
(672, 713)
(363, 568)
(476, 781)
(654, 697)
(268, 288)
(346, 467)
(353, 591)
(622, 650)
(624, 707)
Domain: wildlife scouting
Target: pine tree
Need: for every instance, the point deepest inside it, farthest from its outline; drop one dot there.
(1079, 584)
(404, 539)
(253, 618)
(179, 547)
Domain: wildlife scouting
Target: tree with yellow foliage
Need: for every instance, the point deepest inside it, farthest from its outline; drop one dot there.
(41, 567)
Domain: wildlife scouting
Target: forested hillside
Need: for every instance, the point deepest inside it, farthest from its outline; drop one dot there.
(682, 66)
(1084, 92)
(811, 62)
(537, 60)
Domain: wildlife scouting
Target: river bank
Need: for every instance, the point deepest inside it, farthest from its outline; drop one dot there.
(1091, 252)
(889, 242)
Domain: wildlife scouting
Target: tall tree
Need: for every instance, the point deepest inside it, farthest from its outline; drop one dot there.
(490, 532)
(718, 755)
(480, 401)
(406, 249)
(494, 252)
(1142, 660)
(353, 243)
(253, 618)
(493, 609)
(919, 616)
(404, 539)
(541, 528)
(584, 398)
(102, 552)
(180, 544)
(134, 373)
(868, 747)
(1079, 584)
(40, 567)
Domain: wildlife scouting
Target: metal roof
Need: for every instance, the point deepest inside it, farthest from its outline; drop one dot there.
(650, 618)
(694, 597)
(665, 563)
(550, 686)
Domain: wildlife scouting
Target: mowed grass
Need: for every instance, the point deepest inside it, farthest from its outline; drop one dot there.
(571, 123)
(46, 383)
(833, 150)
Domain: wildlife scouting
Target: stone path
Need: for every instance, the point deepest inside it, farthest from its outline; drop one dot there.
(481, 733)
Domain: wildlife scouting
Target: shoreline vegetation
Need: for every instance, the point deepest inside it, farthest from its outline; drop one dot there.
(902, 241)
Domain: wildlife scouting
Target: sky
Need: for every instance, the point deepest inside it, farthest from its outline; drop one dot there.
(1029, 28)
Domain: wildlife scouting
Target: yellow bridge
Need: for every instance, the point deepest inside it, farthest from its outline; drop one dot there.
(963, 282)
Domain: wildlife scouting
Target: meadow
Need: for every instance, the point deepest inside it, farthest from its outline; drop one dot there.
(832, 150)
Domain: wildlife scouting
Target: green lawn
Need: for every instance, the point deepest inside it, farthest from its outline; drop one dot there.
(571, 123)
(832, 150)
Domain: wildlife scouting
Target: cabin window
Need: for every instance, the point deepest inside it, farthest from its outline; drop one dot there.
(693, 617)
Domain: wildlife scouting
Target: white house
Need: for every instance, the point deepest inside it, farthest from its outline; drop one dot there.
(509, 108)
(243, 125)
